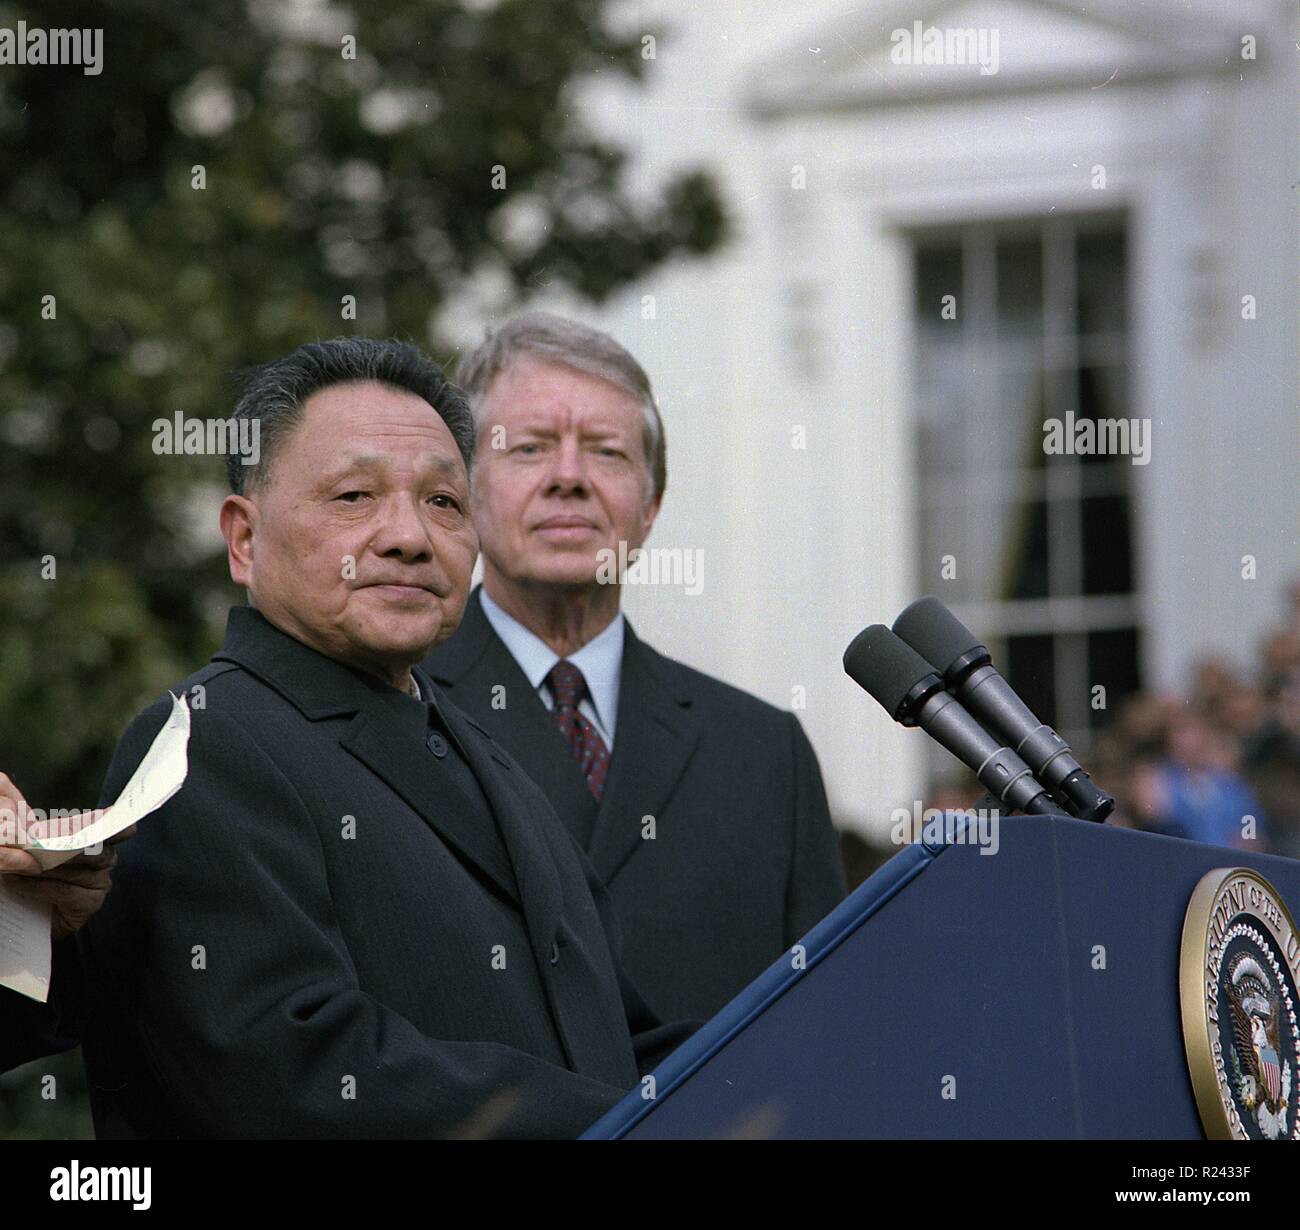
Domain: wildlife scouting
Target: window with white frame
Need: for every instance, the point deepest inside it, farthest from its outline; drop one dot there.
(1017, 324)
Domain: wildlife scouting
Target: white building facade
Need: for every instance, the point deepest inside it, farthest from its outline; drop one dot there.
(931, 262)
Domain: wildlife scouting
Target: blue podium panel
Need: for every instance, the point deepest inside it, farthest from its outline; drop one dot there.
(1029, 993)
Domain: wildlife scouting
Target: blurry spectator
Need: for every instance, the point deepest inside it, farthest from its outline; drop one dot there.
(1195, 792)
(1144, 724)
(1272, 760)
(1213, 682)
(1196, 766)
(1281, 658)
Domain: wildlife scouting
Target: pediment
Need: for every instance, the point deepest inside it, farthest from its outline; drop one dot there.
(897, 54)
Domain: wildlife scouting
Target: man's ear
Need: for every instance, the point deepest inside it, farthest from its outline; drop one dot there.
(651, 512)
(238, 528)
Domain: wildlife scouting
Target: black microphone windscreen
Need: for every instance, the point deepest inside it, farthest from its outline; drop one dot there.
(935, 632)
(882, 664)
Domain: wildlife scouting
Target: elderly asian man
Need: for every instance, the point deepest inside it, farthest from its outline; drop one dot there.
(358, 917)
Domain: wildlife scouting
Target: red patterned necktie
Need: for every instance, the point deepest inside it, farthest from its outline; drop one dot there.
(568, 687)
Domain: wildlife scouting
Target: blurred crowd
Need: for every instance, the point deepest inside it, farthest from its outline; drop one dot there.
(1220, 764)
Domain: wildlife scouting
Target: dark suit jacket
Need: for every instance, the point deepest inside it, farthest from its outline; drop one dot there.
(744, 860)
(257, 972)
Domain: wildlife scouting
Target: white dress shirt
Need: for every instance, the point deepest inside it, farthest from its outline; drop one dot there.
(600, 660)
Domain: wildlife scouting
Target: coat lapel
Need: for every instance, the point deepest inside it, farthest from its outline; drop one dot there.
(380, 735)
(654, 739)
(534, 867)
(397, 755)
(382, 738)
(470, 667)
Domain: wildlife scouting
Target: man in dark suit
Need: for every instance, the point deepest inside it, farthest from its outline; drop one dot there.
(701, 807)
(358, 917)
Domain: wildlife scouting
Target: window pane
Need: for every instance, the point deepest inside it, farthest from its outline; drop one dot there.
(1020, 288)
(1019, 411)
(1100, 281)
(1108, 477)
(1025, 571)
(1113, 663)
(1102, 392)
(943, 407)
(938, 273)
(1062, 398)
(1107, 545)
(1029, 669)
(945, 533)
(1102, 397)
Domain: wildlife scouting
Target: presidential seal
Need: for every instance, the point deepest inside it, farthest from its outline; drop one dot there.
(1239, 968)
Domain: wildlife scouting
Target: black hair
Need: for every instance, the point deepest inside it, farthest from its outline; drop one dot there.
(273, 394)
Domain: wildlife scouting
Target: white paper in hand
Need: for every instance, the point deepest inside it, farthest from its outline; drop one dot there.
(25, 927)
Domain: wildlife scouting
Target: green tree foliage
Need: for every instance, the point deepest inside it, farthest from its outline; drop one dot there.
(342, 151)
(326, 176)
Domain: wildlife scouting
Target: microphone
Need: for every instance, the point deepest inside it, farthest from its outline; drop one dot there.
(912, 693)
(952, 649)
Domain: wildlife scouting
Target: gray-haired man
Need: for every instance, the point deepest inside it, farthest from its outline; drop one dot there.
(701, 807)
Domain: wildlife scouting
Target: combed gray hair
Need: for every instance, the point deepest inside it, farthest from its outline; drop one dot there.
(560, 340)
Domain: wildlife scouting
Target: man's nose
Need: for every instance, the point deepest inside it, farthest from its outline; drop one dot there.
(568, 467)
(402, 530)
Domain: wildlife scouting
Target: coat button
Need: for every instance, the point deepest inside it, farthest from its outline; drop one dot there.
(555, 952)
(437, 745)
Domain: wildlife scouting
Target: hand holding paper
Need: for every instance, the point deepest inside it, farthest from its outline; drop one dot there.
(58, 867)
(72, 892)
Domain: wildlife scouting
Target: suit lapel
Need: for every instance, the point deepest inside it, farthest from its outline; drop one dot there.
(393, 752)
(654, 739)
(469, 668)
(383, 739)
(534, 867)
(380, 735)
